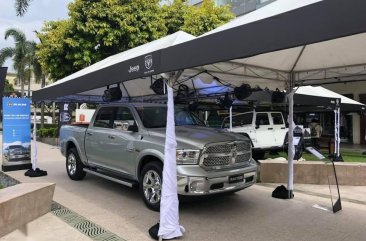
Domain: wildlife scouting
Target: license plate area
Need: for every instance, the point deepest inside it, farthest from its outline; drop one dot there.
(236, 178)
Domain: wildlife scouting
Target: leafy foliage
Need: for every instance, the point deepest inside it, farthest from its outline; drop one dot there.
(18, 53)
(8, 86)
(202, 19)
(21, 6)
(100, 28)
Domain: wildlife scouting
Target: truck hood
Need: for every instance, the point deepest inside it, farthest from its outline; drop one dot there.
(196, 137)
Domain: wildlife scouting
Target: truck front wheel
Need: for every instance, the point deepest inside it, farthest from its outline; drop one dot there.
(74, 166)
(151, 184)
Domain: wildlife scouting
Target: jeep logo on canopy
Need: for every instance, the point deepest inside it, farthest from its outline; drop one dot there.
(148, 61)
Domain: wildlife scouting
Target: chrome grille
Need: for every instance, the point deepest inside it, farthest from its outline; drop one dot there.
(225, 154)
(242, 158)
(225, 148)
(216, 161)
(243, 146)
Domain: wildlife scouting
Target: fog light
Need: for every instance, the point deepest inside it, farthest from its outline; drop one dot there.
(197, 184)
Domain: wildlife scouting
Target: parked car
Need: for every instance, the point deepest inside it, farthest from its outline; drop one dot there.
(266, 130)
(125, 143)
(16, 153)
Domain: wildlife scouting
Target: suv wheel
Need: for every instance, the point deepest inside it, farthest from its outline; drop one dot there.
(74, 166)
(151, 184)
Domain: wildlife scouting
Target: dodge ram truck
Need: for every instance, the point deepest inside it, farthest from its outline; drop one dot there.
(124, 143)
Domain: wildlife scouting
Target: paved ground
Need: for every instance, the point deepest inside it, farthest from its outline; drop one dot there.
(248, 215)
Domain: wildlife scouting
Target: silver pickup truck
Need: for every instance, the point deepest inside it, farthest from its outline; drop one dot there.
(125, 143)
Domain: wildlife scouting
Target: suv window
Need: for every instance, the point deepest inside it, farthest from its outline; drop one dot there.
(104, 117)
(239, 120)
(123, 119)
(277, 118)
(262, 119)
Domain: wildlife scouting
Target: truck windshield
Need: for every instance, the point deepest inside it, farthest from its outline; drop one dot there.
(155, 117)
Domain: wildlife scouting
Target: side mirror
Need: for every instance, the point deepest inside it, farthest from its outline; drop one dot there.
(133, 128)
(256, 126)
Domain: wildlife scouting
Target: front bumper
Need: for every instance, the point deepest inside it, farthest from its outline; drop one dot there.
(212, 182)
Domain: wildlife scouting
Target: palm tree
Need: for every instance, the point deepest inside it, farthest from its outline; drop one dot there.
(19, 54)
(21, 6)
(33, 65)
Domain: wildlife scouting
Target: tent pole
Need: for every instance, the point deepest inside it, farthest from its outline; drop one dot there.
(169, 205)
(231, 118)
(34, 159)
(291, 148)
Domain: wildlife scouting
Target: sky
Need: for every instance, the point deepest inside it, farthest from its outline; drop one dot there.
(38, 12)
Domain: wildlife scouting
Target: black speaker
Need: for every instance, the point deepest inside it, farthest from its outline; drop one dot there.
(158, 86)
(227, 102)
(242, 92)
(112, 94)
(278, 96)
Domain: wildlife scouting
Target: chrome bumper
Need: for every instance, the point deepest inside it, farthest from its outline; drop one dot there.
(199, 185)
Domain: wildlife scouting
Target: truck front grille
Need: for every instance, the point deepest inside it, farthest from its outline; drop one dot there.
(226, 154)
(216, 161)
(242, 158)
(224, 148)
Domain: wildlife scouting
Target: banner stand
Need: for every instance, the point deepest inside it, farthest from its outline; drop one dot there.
(16, 134)
(16, 167)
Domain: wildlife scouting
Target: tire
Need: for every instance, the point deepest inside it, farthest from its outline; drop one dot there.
(150, 184)
(74, 166)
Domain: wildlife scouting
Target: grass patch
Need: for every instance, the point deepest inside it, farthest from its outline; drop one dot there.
(348, 156)
(1, 186)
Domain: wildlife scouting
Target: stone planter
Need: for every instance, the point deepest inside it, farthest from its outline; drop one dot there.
(48, 140)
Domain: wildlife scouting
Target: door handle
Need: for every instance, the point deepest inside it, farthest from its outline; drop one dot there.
(111, 137)
(283, 128)
(270, 128)
(89, 133)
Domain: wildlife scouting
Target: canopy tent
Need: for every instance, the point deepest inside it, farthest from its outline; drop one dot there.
(305, 38)
(285, 43)
(322, 99)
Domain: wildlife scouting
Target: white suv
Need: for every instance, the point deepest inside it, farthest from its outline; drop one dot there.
(267, 130)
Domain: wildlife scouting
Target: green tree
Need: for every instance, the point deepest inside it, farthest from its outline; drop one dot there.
(174, 14)
(101, 28)
(8, 86)
(18, 53)
(21, 6)
(33, 66)
(199, 20)
(96, 30)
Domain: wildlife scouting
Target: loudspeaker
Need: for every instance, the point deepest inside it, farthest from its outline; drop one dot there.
(112, 94)
(158, 86)
(243, 91)
(227, 102)
(278, 96)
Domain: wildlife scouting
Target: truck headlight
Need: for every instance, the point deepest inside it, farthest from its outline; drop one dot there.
(187, 156)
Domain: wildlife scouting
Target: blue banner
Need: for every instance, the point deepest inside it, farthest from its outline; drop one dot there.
(16, 131)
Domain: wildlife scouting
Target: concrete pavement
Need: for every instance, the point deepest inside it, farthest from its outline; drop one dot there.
(250, 214)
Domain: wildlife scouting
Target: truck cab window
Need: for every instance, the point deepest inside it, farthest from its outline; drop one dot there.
(104, 117)
(124, 119)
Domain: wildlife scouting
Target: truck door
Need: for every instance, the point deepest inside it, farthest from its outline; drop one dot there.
(279, 128)
(264, 131)
(97, 138)
(123, 151)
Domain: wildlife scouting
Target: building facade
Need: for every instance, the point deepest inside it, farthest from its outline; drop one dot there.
(238, 7)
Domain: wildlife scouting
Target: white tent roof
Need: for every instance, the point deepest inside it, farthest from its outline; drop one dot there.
(167, 41)
(319, 91)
